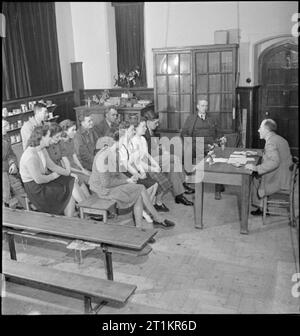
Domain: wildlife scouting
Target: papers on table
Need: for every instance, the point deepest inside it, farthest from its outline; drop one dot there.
(244, 153)
(237, 160)
(220, 160)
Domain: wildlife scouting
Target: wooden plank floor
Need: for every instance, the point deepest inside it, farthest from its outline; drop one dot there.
(215, 270)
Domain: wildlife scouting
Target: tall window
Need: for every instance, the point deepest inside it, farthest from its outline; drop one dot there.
(30, 58)
(129, 18)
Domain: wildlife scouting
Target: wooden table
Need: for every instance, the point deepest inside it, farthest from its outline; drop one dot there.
(107, 235)
(223, 173)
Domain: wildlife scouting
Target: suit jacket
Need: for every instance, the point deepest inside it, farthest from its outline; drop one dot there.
(189, 127)
(275, 165)
(85, 146)
(104, 129)
(148, 136)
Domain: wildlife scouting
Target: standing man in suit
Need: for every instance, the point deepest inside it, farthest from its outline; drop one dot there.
(273, 172)
(109, 124)
(201, 125)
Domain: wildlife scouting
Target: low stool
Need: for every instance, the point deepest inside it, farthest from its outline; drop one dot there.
(96, 206)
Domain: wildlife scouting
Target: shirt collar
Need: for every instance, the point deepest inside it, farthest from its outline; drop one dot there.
(202, 116)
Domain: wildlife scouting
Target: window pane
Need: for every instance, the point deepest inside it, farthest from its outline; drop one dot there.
(185, 84)
(183, 117)
(161, 84)
(227, 102)
(174, 120)
(227, 82)
(214, 83)
(214, 102)
(201, 62)
(162, 104)
(173, 103)
(163, 120)
(185, 103)
(226, 65)
(185, 63)
(173, 61)
(214, 62)
(173, 84)
(202, 84)
(161, 64)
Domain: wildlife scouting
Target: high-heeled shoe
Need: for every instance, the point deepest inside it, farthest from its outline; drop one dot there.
(166, 224)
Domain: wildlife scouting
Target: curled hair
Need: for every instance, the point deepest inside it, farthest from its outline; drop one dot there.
(54, 128)
(36, 135)
(66, 124)
(82, 116)
(150, 115)
(108, 108)
(270, 124)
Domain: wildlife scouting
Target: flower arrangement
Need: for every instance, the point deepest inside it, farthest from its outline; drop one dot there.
(223, 141)
(127, 79)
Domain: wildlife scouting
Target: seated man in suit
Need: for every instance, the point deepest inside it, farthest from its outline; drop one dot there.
(201, 125)
(85, 141)
(273, 172)
(109, 124)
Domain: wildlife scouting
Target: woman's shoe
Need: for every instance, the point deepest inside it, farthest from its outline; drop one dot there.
(161, 208)
(166, 224)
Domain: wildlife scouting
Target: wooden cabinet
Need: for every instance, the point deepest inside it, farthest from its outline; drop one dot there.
(184, 75)
(97, 112)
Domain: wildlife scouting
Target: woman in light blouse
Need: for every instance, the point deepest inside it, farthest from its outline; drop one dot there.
(54, 192)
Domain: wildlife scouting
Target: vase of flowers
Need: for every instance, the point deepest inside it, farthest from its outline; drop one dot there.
(223, 141)
(128, 79)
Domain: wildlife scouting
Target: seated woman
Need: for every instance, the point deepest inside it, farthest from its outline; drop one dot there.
(48, 192)
(56, 154)
(145, 163)
(12, 187)
(69, 157)
(109, 183)
(127, 163)
(177, 178)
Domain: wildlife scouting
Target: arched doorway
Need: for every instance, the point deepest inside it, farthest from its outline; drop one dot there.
(278, 94)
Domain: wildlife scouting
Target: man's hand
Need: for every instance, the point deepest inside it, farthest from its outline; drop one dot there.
(75, 176)
(13, 169)
(132, 179)
(86, 172)
(250, 166)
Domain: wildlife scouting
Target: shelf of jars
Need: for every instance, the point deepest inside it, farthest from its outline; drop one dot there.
(18, 116)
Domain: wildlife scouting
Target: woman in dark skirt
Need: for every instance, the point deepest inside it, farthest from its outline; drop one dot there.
(48, 192)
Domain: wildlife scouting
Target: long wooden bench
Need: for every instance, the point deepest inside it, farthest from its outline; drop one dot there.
(91, 289)
(110, 237)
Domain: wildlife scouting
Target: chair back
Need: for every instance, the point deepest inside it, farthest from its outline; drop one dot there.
(233, 139)
(294, 168)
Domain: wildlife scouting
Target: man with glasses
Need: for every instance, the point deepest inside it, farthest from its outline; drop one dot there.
(109, 124)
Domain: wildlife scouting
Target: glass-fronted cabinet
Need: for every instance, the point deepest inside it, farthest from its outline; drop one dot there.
(184, 75)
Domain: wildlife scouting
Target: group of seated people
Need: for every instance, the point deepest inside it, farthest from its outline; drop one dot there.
(61, 166)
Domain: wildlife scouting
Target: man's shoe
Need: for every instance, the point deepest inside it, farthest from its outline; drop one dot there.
(258, 212)
(218, 195)
(189, 191)
(161, 208)
(166, 224)
(151, 241)
(187, 187)
(181, 199)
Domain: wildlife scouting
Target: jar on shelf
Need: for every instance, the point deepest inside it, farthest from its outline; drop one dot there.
(4, 112)
(19, 123)
(18, 137)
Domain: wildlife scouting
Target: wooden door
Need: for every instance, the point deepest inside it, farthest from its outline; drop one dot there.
(279, 92)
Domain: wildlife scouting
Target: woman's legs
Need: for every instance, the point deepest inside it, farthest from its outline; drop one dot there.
(85, 190)
(149, 206)
(70, 208)
(77, 193)
(138, 210)
(152, 191)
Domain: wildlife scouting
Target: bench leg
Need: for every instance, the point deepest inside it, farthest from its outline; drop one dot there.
(104, 216)
(88, 309)
(12, 246)
(108, 263)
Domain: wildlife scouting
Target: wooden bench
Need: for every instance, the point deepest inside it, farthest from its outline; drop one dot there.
(96, 206)
(110, 237)
(76, 285)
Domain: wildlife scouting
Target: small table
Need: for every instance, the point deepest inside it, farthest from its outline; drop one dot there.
(224, 173)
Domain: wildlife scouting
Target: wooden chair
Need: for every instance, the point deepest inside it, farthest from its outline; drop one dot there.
(283, 198)
(233, 139)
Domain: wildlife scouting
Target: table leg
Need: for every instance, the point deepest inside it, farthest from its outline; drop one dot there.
(108, 263)
(198, 205)
(12, 246)
(245, 196)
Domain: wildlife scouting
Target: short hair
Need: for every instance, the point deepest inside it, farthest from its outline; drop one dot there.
(150, 115)
(66, 124)
(83, 115)
(270, 124)
(36, 135)
(108, 108)
(38, 106)
(202, 100)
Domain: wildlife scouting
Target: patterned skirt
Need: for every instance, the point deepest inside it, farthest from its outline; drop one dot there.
(164, 184)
